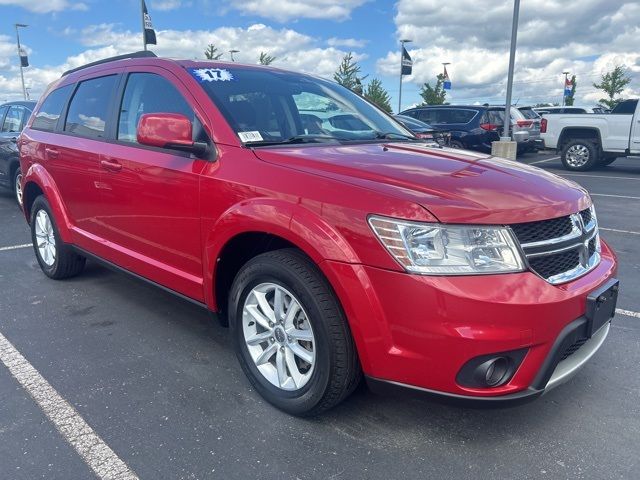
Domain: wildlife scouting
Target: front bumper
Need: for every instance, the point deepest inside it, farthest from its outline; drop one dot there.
(418, 331)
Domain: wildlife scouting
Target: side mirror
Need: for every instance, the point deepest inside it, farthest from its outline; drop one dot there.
(168, 130)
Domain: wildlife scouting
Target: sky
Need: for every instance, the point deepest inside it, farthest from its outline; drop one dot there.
(586, 37)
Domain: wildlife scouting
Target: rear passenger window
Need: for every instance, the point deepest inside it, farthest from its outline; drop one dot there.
(148, 93)
(50, 110)
(455, 115)
(428, 116)
(89, 107)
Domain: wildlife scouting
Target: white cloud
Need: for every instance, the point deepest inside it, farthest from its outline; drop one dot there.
(293, 50)
(552, 37)
(346, 42)
(46, 6)
(283, 10)
(166, 5)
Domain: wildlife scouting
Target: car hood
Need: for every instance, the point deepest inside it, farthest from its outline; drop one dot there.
(455, 186)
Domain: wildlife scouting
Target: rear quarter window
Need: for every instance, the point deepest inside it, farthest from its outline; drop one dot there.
(454, 115)
(47, 116)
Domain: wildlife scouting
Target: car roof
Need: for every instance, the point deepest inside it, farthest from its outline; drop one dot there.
(30, 104)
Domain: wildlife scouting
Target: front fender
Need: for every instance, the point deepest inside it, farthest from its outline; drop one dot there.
(290, 221)
(39, 176)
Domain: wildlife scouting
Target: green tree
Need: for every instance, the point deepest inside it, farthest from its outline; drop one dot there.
(212, 53)
(376, 93)
(266, 59)
(348, 74)
(613, 84)
(434, 95)
(571, 97)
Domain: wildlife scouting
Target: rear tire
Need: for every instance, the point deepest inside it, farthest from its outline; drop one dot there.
(268, 334)
(57, 259)
(456, 144)
(580, 155)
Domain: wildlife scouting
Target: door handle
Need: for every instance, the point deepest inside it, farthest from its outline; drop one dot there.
(110, 165)
(51, 153)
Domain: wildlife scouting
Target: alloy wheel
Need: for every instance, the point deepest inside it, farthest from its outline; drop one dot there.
(18, 188)
(577, 156)
(45, 238)
(278, 336)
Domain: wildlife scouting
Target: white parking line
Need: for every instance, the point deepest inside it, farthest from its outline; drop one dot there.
(15, 247)
(618, 231)
(545, 160)
(96, 454)
(595, 176)
(628, 313)
(613, 196)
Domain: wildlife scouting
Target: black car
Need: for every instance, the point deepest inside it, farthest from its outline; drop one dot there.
(424, 130)
(13, 117)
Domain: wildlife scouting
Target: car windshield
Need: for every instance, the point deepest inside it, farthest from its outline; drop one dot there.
(529, 113)
(267, 107)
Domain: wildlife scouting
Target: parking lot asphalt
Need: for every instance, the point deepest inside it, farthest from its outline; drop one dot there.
(155, 377)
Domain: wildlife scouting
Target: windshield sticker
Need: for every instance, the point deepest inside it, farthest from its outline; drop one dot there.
(250, 136)
(212, 74)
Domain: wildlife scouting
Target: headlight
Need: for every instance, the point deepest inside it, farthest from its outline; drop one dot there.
(436, 249)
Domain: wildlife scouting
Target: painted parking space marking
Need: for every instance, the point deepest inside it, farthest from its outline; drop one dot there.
(96, 454)
(15, 247)
(613, 196)
(596, 176)
(545, 160)
(628, 313)
(617, 230)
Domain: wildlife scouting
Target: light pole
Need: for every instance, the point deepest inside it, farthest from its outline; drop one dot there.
(402, 42)
(506, 135)
(564, 87)
(231, 52)
(21, 25)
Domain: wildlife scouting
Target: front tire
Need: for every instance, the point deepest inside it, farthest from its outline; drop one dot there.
(290, 334)
(580, 155)
(57, 259)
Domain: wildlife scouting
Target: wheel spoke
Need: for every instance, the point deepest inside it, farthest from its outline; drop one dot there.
(258, 316)
(266, 354)
(264, 305)
(259, 338)
(296, 376)
(301, 335)
(294, 308)
(281, 367)
(301, 352)
(278, 304)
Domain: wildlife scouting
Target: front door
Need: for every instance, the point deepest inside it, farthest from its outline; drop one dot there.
(150, 211)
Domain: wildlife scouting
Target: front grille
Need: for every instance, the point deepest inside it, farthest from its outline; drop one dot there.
(543, 230)
(573, 348)
(555, 264)
(560, 249)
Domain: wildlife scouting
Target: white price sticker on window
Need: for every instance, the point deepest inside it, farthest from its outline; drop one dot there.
(250, 136)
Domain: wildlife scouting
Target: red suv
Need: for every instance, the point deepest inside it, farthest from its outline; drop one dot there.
(332, 241)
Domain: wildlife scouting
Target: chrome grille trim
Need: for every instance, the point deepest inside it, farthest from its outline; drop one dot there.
(579, 239)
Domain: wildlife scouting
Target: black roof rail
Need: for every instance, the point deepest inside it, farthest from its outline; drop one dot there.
(140, 54)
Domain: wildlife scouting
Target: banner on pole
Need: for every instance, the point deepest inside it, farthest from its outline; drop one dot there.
(407, 62)
(149, 32)
(447, 81)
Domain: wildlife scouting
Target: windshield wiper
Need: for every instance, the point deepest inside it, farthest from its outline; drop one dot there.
(292, 140)
(389, 135)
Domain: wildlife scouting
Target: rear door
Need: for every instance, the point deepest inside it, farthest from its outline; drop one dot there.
(8, 149)
(150, 202)
(634, 142)
(73, 155)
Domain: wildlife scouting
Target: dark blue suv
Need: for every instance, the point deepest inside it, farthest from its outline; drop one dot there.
(474, 127)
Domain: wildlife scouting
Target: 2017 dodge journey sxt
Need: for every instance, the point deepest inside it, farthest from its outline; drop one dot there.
(332, 241)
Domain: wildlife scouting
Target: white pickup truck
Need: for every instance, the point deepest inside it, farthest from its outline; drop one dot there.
(588, 140)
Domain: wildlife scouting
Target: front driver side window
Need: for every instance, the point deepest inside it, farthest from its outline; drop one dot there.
(148, 93)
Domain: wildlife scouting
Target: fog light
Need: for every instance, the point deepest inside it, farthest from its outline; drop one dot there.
(489, 371)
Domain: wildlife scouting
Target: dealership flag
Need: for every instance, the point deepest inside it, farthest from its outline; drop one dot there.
(447, 81)
(407, 63)
(568, 86)
(149, 32)
(24, 60)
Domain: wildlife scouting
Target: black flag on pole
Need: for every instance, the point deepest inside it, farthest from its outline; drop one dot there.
(24, 60)
(149, 32)
(407, 63)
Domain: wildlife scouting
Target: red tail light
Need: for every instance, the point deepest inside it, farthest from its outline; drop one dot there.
(491, 127)
(424, 135)
(543, 125)
(524, 123)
